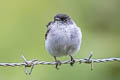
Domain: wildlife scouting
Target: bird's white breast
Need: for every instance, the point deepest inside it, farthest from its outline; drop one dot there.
(63, 40)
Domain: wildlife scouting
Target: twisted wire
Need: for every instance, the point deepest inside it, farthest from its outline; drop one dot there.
(36, 62)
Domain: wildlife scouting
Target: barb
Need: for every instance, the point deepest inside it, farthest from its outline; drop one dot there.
(28, 64)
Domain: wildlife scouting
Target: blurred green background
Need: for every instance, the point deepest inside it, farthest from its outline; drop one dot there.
(23, 25)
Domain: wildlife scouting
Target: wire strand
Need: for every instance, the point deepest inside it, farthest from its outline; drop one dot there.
(36, 62)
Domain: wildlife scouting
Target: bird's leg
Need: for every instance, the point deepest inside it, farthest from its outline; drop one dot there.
(72, 60)
(58, 63)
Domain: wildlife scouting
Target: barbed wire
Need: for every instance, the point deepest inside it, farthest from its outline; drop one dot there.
(33, 62)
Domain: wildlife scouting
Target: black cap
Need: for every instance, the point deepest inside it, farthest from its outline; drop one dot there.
(62, 17)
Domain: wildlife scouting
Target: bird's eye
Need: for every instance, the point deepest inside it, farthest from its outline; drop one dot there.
(63, 19)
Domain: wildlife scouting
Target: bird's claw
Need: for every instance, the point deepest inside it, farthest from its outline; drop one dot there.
(58, 63)
(72, 62)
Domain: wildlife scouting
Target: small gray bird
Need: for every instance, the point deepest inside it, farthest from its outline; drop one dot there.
(63, 37)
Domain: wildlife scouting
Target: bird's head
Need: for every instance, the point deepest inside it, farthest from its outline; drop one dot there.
(62, 18)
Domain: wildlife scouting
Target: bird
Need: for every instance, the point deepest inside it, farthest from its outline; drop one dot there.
(63, 38)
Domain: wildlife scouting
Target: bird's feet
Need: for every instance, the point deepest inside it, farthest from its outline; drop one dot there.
(72, 61)
(58, 63)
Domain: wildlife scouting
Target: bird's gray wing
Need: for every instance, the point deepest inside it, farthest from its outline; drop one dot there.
(49, 24)
(48, 29)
